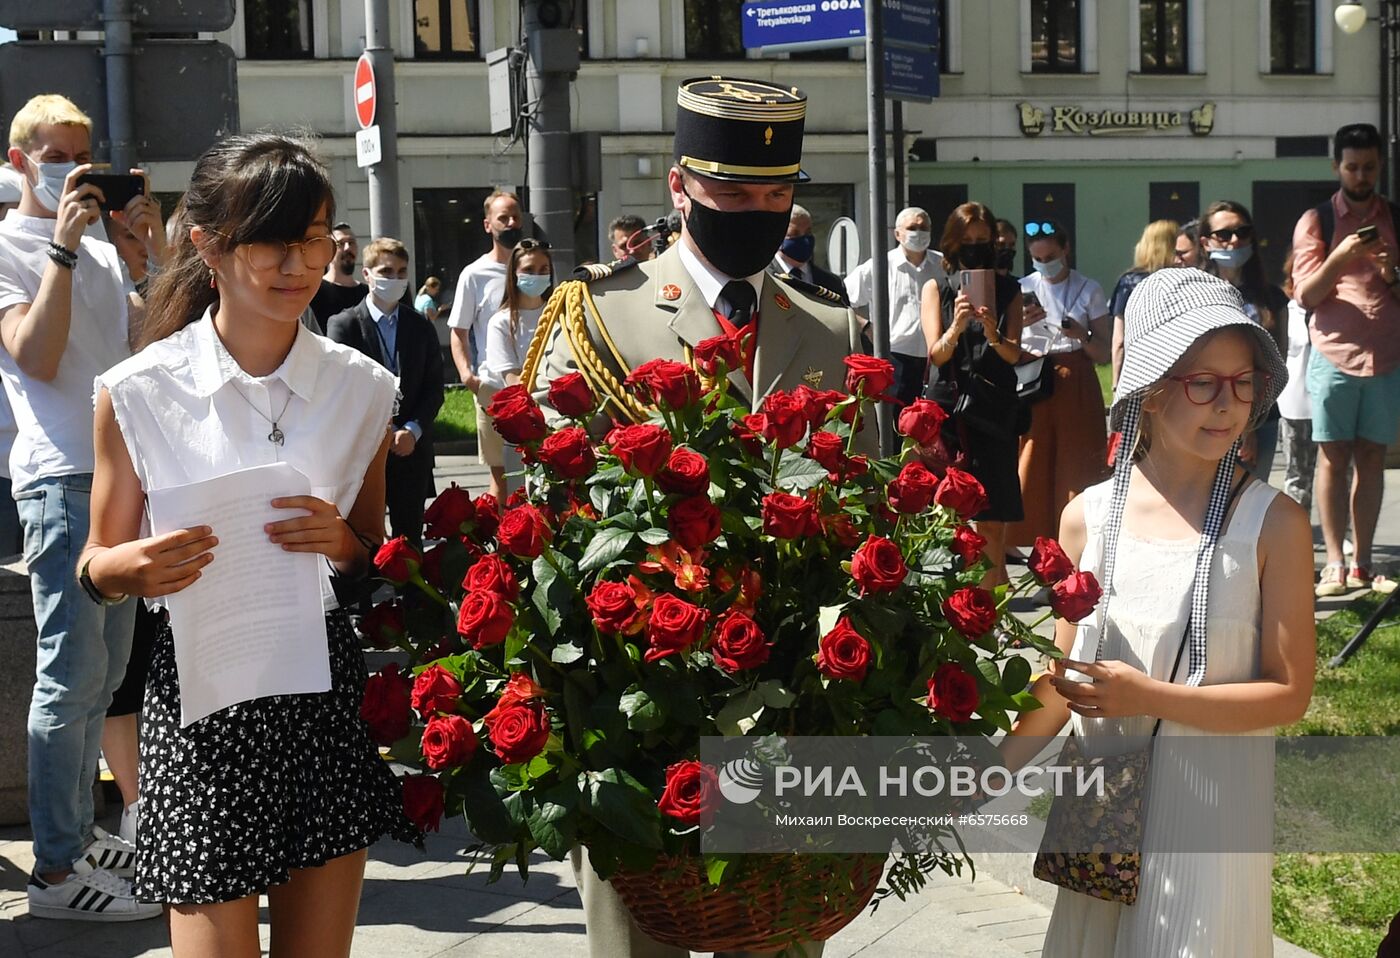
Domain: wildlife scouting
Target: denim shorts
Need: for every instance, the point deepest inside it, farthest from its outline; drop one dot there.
(1346, 407)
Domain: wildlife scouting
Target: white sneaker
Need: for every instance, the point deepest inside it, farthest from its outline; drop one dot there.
(89, 894)
(130, 816)
(112, 853)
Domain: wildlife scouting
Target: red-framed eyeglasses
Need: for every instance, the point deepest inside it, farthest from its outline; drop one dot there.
(1202, 388)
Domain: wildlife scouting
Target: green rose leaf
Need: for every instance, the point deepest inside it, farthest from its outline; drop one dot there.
(642, 713)
(486, 813)
(740, 714)
(566, 653)
(774, 695)
(1016, 675)
(655, 537)
(553, 822)
(624, 806)
(715, 867)
(797, 474)
(606, 545)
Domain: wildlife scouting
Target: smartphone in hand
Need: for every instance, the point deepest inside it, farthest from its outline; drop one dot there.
(1369, 233)
(117, 188)
(979, 285)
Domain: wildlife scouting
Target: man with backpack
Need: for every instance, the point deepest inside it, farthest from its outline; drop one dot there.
(1344, 272)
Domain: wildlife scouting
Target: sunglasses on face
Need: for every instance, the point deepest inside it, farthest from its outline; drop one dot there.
(1040, 229)
(1227, 234)
(1203, 388)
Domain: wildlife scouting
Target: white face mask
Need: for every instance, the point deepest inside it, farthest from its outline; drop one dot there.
(1049, 270)
(916, 241)
(49, 190)
(388, 290)
(532, 284)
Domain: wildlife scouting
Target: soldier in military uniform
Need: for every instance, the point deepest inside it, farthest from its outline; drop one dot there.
(738, 151)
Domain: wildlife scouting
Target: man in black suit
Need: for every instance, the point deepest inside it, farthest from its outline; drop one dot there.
(394, 334)
(795, 257)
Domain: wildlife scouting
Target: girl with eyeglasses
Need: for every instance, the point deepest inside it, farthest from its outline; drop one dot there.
(280, 795)
(1227, 250)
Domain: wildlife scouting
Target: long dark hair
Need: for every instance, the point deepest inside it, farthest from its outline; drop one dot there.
(958, 222)
(510, 297)
(249, 187)
(1253, 283)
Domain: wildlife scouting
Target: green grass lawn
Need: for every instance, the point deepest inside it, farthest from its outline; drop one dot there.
(1340, 905)
(457, 418)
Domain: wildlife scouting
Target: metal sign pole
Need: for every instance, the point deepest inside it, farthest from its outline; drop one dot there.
(384, 175)
(117, 17)
(879, 202)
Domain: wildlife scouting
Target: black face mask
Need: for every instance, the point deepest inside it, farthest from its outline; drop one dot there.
(737, 244)
(977, 256)
(1006, 258)
(508, 238)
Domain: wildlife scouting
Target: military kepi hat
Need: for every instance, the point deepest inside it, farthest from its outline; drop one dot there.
(747, 131)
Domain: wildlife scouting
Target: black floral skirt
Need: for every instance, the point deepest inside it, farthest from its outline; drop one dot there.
(235, 801)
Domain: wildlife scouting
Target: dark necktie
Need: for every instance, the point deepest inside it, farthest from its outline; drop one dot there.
(740, 296)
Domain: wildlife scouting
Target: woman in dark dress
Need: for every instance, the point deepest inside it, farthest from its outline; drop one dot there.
(976, 349)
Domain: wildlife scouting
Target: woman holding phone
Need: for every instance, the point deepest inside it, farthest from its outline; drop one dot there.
(974, 328)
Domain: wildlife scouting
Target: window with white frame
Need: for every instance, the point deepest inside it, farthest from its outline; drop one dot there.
(1056, 36)
(278, 29)
(1293, 36)
(1163, 36)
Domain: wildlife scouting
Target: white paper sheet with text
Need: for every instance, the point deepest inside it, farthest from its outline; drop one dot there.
(252, 625)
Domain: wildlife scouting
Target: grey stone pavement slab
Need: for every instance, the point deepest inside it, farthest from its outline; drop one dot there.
(428, 905)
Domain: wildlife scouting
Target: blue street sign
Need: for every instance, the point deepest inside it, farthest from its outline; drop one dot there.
(809, 23)
(911, 22)
(911, 74)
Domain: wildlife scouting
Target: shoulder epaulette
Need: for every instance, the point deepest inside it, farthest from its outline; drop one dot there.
(812, 289)
(596, 271)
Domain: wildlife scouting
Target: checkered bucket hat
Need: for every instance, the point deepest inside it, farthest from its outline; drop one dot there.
(1166, 315)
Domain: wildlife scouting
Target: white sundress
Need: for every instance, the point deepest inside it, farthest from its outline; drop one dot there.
(1190, 904)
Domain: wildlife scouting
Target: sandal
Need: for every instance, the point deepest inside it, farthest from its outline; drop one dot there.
(1333, 581)
(1363, 578)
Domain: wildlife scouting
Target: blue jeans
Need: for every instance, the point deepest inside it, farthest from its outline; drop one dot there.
(83, 648)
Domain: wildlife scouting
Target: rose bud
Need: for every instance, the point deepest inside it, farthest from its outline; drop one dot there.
(675, 625)
(694, 523)
(423, 801)
(570, 396)
(843, 653)
(384, 625)
(484, 619)
(922, 421)
(397, 560)
(386, 707)
(569, 452)
(520, 688)
(972, 611)
(868, 376)
(446, 517)
(488, 515)
(691, 795)
(961, 492)
(1048, 562)
(968, 545)
(642, 449)
(524, 532)
(786, 516)
(516, 416)
(435, 690)
(518, 732)
(912, 490)
(739, 643)
(613, 606)
(1075, 596)
(448, 742)
(687, 473)
(749, 432)
(952, 692)
(491, 573)
(878, 566)
(666, 382)
(784, 419)
(827, 450)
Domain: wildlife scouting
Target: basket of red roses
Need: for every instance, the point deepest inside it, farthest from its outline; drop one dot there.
(662, 581)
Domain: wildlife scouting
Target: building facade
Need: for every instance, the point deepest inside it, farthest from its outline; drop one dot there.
(1101, 113)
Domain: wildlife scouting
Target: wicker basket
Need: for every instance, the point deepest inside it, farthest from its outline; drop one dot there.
(775, 901)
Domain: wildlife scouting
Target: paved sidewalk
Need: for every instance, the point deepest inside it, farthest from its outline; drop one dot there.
(421, 904)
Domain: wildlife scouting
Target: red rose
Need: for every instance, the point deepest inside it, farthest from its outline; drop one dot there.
(488, 515)
(484, 619)
(1048, 562)
(516, 416)
(385, 707)
(968, 545)
(422, 801)
(1075, 596)
(524, 531)
(569, 452)
(383, 626)
(694, 523)
(961, 492)
(397, 560)
(868, 376)
(972, 611)
(784, 419)
(952, 692)
(687, 473)
(786, 516)
(518, 731)
(691, 795)
(748, 431)
(613, 606)
(841, 528)
(642, 449)
(843, 653)
(449, 512)
(491, 573)
(878, 566)
(675, 625)
(912, 490)
(739, 643)
(520, 688)
(666, 381)
(921, 421)
(435, 690)
(710, 353)
(570, 396)
(448, 742)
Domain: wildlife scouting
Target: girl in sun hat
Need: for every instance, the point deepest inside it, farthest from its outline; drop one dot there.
(1205, 628)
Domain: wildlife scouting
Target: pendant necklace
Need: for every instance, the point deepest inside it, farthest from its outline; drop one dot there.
(276, 437)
